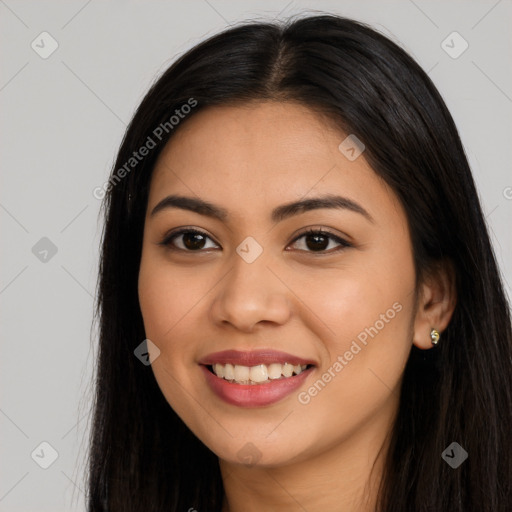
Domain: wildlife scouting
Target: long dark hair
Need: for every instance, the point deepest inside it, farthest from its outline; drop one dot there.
(142, 456)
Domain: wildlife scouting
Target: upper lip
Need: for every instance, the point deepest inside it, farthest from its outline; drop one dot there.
(253, 358)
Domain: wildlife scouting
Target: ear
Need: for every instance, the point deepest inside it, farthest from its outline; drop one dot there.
(436, 303)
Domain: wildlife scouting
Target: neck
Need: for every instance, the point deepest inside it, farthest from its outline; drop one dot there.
(343, 477)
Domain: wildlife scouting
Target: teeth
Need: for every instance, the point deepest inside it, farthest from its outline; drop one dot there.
(219, 370)
(287, 370)
(274, 370)
(256, 374)
(229, 371)
(242, 373)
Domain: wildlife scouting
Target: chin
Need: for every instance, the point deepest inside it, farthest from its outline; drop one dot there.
(257, 451)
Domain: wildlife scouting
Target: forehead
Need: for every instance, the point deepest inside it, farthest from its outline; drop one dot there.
(277, 134)
(262, 154)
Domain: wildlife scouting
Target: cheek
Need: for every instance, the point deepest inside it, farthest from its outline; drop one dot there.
(354, 304)
(155, 299)
(171, 300)
(364, 317)
(367, 353)
(165, 296)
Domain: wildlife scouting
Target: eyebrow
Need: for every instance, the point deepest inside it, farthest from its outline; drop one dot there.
(279, 213)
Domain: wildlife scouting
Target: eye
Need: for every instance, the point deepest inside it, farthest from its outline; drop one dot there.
(318, 240)
(193, 240)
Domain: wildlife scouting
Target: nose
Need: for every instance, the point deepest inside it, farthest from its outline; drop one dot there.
(251, 293)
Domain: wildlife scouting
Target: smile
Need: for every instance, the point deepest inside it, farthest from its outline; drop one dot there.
(255, 378)
(259, 374)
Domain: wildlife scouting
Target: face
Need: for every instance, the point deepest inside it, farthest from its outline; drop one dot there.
(338, 301)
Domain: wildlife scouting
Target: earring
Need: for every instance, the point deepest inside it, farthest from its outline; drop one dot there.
(434, 336)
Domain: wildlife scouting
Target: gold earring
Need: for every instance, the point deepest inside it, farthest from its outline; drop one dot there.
(434, 336)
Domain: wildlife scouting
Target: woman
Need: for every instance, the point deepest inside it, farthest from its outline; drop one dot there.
(300, 307)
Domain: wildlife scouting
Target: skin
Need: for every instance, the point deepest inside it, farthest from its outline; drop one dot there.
(249, 159)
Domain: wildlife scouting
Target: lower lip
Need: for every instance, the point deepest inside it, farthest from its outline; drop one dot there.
(254, 395)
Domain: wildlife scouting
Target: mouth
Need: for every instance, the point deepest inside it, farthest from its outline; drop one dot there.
(248, 393)
(261, 366)
(260, 374)
(255, 378)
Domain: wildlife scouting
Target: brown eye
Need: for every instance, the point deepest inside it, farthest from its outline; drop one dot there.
(191, 240)
(315, 241)
(319, 240)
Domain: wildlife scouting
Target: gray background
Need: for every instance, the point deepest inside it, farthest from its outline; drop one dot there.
(62, 121)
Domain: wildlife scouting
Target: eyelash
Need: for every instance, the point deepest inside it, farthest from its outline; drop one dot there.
(166, 242)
